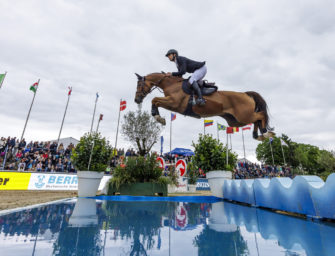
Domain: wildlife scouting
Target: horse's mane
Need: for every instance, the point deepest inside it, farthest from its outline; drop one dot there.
(176, 78)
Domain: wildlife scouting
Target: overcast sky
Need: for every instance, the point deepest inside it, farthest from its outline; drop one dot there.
(282, 49)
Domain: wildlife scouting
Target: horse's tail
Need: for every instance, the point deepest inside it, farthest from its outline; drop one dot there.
(261, 106)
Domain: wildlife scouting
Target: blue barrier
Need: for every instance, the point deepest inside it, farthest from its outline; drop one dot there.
(308, 195)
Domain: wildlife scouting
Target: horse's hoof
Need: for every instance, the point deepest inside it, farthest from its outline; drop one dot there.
(160, 120)
(260, 138)
(269, 134)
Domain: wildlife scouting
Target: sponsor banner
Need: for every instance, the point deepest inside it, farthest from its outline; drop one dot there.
(202, 184)
(14, 180)
(48, 181)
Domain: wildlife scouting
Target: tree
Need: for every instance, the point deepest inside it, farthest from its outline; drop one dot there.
(210, 154)
(141, 129)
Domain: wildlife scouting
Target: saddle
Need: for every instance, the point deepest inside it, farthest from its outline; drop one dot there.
(205, 87)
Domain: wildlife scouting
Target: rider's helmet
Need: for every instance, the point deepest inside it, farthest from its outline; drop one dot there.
(171, 51)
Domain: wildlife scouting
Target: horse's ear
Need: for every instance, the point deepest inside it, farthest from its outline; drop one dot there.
(138, 76)
(163, 72)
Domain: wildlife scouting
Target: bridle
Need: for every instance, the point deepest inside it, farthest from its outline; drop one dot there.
(142, 84)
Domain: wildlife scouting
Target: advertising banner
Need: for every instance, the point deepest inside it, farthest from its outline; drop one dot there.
(202, 184)
(14, 180)
(48, 181)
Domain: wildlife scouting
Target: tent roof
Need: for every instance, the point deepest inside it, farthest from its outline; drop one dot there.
(182, 152)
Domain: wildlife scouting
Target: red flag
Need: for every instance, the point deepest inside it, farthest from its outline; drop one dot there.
(173, 116)
(123, 105)
(101, 116)
(230, 130)
(246, 128)
(70, 90)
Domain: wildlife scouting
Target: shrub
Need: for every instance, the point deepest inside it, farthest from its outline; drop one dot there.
(138, 169)
(210, 154)
(100, 155)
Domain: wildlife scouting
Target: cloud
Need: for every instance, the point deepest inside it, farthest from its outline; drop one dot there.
(281, 49)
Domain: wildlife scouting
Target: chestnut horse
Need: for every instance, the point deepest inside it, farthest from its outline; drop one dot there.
(237, 108)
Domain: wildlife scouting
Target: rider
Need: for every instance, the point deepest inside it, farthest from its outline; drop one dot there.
(184, 65)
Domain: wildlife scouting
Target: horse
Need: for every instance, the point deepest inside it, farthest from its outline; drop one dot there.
(237, 108)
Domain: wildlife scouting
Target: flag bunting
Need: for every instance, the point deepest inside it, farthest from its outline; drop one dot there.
(2, 78)
(208, 122)
(34, 87)
(230, 130)
(123, 105)
(221, 127)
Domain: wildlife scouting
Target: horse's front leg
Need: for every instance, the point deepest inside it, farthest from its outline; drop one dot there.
(159, 102)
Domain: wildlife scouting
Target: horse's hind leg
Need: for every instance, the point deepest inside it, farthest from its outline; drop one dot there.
(156, 115)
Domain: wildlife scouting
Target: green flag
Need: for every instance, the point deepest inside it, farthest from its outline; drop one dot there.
(2, 77)
(221, 127)
(34, 87)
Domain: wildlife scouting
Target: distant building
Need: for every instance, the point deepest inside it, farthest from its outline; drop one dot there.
(67, 141)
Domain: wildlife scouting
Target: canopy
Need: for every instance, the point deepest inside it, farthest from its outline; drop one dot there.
(182, 152)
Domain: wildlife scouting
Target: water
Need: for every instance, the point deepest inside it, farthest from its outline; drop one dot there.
(197, 227)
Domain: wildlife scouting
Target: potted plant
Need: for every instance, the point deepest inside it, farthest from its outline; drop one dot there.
(211, 157)
(90, 158)
(192, 177)
(139, 176)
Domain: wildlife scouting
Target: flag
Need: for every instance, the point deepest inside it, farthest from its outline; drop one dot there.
(97, 95)
(173, 116)
(283, 142)
(101, 116)
(230, 130)
(123, 105)
(246, 128)
(2, 77)
(70, 90)
(236, 129)
(208, 122)
(34, 87)
(221, 127)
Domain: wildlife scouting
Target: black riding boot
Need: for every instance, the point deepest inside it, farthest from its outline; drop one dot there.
(200, 101)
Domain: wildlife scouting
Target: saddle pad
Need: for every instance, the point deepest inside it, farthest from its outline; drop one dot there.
(206, 90)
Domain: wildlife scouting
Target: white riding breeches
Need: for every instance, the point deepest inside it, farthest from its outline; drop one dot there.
(198, 74)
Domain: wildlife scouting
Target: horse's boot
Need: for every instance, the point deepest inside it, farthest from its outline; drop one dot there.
(200, 101)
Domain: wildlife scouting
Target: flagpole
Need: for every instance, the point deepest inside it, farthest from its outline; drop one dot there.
(243, 144)
(217, 129)
(170, 135)
(31, 105)
(227, 151)
(273, 162)
(282, 150)
(3, 80)
(61, 127)
(117, 129)
(204, 128)
(95, 105)
(98, 125)
(231, 143)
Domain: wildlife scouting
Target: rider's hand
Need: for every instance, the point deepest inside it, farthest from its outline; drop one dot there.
(168, 74)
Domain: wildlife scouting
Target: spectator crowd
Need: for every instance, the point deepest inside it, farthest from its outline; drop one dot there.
(48, 156)
(19, 155)
(247, 170)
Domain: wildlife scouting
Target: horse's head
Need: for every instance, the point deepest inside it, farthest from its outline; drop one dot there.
(143, 88)
(146, 84)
